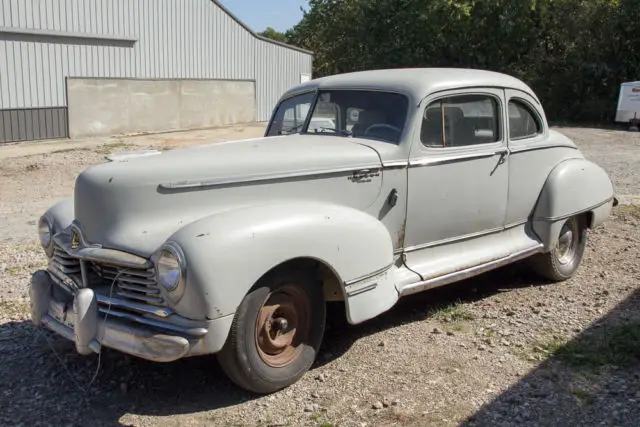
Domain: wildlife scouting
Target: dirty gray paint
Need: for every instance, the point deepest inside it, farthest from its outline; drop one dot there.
(27, 124)
(44, 42)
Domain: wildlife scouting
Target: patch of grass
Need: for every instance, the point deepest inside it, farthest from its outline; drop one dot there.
(617, 345)
(458, 327)
(13, 271)
(582, 395)
(70, 150)
(456, 312)
(111, 148)
(314, 416)
(325, 425)
(627, 211)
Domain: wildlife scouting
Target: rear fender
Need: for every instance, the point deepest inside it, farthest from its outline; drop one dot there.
(573, 187)
(227, 253)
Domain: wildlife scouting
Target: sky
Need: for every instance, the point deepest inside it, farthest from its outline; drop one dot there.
(260, 14)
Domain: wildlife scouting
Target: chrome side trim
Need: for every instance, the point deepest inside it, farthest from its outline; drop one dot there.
(561, 217)
(516, 149)
(196, 332)
(515, 224)
(433, 161)
(453, 239)
(362, 290)
(179, 185)
(142, 308)
(395, 164)
(368, 276)
(469, 272)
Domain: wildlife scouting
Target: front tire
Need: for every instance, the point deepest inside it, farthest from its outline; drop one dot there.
(276, 332)
(563, 260)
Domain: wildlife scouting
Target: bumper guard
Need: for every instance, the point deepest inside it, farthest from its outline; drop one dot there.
(78, 319)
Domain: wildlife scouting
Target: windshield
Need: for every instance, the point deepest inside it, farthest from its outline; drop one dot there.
(357, 113)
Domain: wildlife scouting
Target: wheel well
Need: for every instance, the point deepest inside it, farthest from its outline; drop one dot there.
(324, 274)
(588, 217)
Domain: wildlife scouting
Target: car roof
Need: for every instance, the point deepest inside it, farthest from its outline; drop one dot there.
(417, 82)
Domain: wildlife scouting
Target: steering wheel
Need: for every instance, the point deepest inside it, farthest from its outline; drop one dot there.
(382, 125)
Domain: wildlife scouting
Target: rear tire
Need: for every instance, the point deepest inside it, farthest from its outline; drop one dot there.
(276, 332)
(563, 260)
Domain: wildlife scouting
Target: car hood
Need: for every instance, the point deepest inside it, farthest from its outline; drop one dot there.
(136, 201)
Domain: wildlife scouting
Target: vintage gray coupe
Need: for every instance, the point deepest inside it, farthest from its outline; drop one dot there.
(367, 187)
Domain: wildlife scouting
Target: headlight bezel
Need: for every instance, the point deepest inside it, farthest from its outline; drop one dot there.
(46, 221)
(172, 251)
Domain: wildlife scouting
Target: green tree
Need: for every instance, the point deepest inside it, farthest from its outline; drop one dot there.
(574, 53)
(272, 34)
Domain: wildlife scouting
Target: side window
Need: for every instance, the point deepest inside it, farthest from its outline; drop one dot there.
(291, 115)
(461, 120)
(523, 123)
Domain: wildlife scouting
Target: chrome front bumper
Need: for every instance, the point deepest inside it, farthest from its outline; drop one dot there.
(82, 318)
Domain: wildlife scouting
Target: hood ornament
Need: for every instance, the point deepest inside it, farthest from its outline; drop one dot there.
(75, 239)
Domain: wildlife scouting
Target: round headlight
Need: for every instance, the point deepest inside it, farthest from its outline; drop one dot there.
(170, 267)
(45, 232)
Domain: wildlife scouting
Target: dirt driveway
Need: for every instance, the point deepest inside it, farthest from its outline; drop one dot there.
(499, 350)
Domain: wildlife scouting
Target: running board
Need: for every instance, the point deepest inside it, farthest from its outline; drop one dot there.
(468, 272)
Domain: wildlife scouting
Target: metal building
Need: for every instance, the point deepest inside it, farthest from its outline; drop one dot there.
(103, 67)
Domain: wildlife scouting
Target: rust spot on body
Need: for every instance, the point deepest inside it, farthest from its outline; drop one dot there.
(400, 240)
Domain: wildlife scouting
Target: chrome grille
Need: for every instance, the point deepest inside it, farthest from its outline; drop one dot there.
(138, 285)
(64, 262)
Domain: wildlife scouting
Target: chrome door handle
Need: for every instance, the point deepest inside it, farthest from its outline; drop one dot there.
(503, 155)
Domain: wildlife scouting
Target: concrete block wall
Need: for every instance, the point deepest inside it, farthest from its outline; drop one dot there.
(99, 107)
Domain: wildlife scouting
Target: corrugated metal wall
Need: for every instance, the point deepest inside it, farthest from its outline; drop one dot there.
(271, 60)
(43, 42)
(27, 124)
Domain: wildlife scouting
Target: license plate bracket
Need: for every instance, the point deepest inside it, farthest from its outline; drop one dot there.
(61, 312)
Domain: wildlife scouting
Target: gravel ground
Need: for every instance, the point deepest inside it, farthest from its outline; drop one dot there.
(500, 349)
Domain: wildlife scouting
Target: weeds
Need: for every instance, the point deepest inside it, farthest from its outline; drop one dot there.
(70, 150)
(458, 327)
(13, 271)
(456, 312)
(111, 148)
(582, 395)
(618, 345)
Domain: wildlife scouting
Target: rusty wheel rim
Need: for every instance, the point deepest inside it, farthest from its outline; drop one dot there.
(282, 326)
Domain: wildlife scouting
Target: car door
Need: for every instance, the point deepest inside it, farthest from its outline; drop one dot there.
(532, 154)
(457, 181)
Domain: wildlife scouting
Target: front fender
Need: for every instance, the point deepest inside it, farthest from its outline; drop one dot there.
(574, 186)
(61, 214)
(227, 253)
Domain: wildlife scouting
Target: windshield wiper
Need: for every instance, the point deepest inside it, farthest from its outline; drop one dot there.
(292, 129)
(336, 131)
